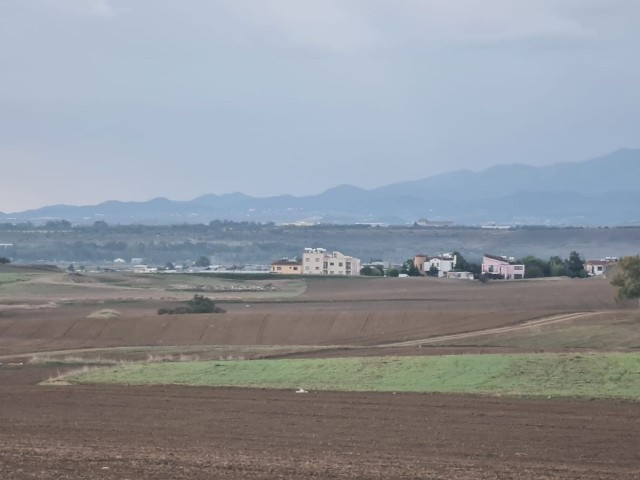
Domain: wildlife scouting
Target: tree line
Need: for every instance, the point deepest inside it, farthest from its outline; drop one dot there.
(535, 267)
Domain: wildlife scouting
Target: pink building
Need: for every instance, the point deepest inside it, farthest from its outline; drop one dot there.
(502, 267)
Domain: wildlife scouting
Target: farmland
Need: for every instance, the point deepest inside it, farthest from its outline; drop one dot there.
(154, 403)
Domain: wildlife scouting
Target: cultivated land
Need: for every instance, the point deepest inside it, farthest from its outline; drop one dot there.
(397, 336)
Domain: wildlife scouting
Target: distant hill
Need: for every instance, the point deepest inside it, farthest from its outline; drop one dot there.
(602, 191)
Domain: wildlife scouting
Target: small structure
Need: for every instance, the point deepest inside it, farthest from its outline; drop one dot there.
(598, 267)
(444, 263)
(144, 269)
(497, 266)
(317, 261)
(461, 275)
(286, 267)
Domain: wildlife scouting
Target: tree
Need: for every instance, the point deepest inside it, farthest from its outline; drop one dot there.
(4, 260)
(393, 272)
(372, 271)
(575, 266)
(71, 268)
(557, 267)
(203, 262)
(409, 268)
(462, 265)
(433, 271)
(628, 279)
(535, 267)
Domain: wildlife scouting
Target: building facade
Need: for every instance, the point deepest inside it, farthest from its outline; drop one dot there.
(287, 267)
(317, 261)
(598, 267)
(444, 263)
(502, 267)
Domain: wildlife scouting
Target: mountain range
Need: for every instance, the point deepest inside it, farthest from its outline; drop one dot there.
(602, 191)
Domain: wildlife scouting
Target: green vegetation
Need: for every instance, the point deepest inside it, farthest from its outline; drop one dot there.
(556, 267)
(628, 280)
(4, 260)
(409, 268)
(605, 331)
(198, 304)
(10, 277)
(595, 375)
(372, 271)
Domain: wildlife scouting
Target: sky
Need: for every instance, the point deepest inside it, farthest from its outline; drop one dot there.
(136, 99)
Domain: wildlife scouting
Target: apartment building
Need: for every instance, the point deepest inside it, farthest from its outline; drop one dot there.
(317, 261)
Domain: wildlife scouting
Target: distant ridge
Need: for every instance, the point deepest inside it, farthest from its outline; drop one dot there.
(602, 191)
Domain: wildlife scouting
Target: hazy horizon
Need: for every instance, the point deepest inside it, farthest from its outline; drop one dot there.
(133, 100)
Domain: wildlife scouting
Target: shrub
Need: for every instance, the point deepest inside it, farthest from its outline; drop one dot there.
(198, 304)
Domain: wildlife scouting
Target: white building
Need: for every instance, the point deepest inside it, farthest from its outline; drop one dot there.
(444, 263)
(317, 261)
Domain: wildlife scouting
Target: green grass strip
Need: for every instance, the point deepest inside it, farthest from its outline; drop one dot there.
(563, 375)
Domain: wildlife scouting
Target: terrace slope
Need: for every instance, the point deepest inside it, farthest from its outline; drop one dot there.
(331, 312)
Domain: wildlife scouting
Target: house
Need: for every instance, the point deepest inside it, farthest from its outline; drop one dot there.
(317, 261)
(497, 266)
(286, 267)
(444, 263)
(598, 267)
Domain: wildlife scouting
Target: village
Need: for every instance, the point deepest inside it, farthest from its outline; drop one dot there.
(319, 261)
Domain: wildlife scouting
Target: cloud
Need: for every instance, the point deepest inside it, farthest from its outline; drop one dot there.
(494, 20)
(353, 25)
(92, 8)
(333, 25)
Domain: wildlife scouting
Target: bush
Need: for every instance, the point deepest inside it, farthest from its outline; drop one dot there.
(198, 304)
(4, 260)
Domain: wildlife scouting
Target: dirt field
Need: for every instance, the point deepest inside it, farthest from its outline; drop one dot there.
(119, 432)
(329, 312)
(198, 433)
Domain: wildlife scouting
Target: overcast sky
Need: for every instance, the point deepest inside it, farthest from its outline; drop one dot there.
(134, 99)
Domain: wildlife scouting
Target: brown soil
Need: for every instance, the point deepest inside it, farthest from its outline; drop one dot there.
(112, 432)
(331, 312)
(119, 432)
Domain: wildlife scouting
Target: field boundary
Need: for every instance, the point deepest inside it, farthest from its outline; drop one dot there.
(539, 322)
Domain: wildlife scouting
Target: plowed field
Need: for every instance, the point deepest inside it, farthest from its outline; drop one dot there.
(199, 433)
(175, 432)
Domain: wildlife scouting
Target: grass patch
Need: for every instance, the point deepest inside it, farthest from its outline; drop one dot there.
(596, 375)
(10, 277)
(605, 331)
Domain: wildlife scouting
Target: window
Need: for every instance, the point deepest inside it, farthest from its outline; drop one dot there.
(518, 267)
(295, 268)
(340, 264)
(491, 268)
(317, 268)
(317, 259)
(278, 268)
(307, 259)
